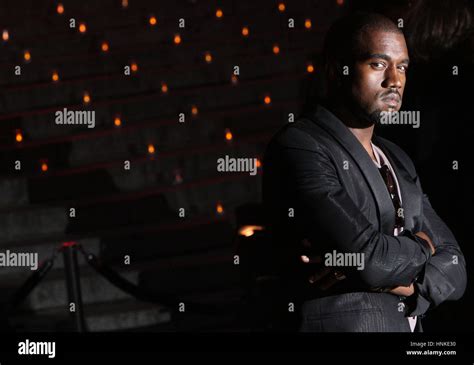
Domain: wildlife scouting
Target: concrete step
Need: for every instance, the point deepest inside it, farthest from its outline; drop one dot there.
(14, 192)
(24, 224)
(105, 316)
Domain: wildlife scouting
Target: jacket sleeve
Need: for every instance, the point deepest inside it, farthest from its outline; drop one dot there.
(323, 203)
(445, 275)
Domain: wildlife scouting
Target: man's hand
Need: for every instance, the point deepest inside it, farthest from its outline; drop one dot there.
(322, 277)
(405, 291)
(427, 239)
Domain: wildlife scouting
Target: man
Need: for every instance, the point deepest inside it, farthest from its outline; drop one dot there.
(348, 205)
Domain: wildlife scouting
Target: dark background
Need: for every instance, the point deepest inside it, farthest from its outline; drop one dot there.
(135, 212)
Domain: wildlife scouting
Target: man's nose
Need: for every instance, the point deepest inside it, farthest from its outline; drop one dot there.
(392, 78)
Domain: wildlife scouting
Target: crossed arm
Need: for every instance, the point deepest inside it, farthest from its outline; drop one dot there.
(429, 261)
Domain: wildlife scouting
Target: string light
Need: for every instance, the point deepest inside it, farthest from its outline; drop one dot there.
(152, 20)
(259, 163)
(234, 79)
(248, 231)
(134, 67)
(104, 47)
(151, 149)
(18, 136)
(267, 99)
(5, 35)
(55, 76)
(164, 88)
(228, 135)
(276, 49)
(194, 110)
(124, 3)
(219, 208)
(60, 8)
(177, 39)
(27, 56)
(219, 13)
(340, 2)
(310, 68)
(208, 57)
(307, 24)
(82, 28)
(86, 98)
(245, 31)
(281, 7)
(117, 121)
(44, 166)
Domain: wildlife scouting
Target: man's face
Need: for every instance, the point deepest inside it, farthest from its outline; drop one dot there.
(379, 74)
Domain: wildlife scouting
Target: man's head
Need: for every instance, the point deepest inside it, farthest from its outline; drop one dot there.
(366, 60)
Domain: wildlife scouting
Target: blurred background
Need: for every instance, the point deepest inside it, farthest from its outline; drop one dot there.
(175, 86)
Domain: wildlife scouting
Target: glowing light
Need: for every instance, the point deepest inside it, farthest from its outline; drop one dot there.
(310, 68)
(219, 13)
(86, 98)
(151, 149)
(104, 47)
(177, 39)
(164, 88)
(267, 100)
(117, 121)
(18, 136)
(228, 135)
(234, 79)
(259, 163)
(55, 76)
(124, 3)
(5, 35)
(82, 28)
(194, 110)
(307, 24)
(60, 8)
(276, 49)
(178, 179)
(44, 166)
(152, 20)
(281, 7)
(340, 2)
(248, 231)
(219, 208)
(208, 57)
(27, 56)
(134, 67)
(245, 31)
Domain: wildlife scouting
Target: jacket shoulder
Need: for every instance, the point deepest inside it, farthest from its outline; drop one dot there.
(304, 133)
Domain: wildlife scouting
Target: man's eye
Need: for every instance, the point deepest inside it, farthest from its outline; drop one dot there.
(378, 65)
(403, 68)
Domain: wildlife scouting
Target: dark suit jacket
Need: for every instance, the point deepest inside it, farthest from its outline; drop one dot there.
(320, 184)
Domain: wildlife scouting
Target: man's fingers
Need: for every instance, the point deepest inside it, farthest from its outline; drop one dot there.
(311, 260)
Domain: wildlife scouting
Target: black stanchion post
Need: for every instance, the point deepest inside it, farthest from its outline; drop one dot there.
(73, 284)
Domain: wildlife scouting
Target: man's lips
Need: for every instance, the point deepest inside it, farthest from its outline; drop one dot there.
(391, 100)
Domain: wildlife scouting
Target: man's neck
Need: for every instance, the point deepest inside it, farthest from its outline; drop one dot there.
(364, 136)
(362, 130)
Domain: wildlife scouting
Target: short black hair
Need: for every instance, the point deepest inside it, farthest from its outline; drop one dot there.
(342, 43)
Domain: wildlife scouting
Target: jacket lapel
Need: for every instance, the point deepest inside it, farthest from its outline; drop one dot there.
(411, 198)
(335, 127)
